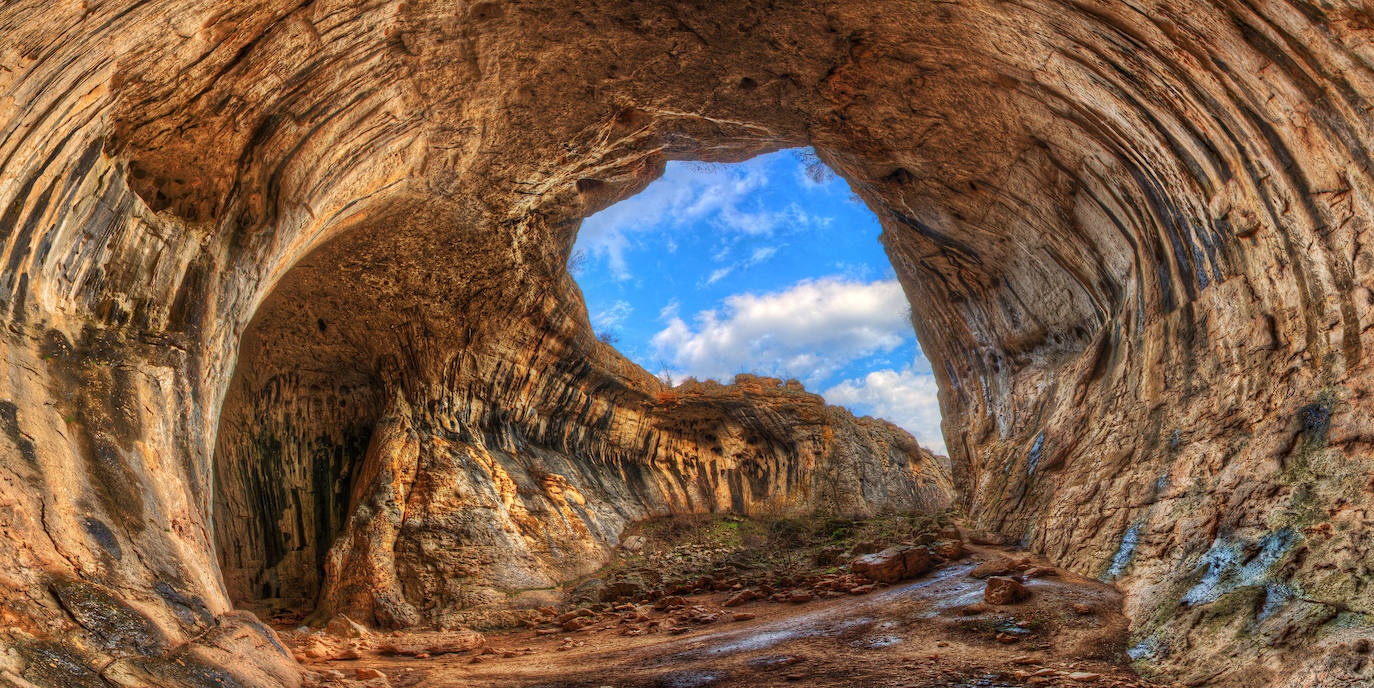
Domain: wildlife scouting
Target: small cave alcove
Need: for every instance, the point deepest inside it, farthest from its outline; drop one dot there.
(296, 423)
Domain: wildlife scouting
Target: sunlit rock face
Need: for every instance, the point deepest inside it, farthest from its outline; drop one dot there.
(475, 467)
(1134, 239)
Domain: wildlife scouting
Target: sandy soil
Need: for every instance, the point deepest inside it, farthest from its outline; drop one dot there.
(933, 631)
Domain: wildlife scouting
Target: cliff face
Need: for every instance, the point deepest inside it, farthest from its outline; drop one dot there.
(469, 470)
(1134, 239)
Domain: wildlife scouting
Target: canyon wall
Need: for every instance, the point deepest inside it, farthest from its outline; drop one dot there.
(1132, 235)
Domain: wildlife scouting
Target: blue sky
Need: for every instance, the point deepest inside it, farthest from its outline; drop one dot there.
(758, 267)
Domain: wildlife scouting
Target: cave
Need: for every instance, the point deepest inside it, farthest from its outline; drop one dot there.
(253, 248)
(346, 416)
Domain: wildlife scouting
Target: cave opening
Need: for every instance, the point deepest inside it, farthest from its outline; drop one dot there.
(771, 266)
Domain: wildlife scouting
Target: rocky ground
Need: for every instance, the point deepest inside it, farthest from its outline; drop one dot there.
(912, 602)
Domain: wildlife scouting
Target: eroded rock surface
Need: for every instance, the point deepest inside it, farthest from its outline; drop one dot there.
(1134, 237)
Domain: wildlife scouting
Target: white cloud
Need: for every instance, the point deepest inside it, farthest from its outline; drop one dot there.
(761, 254)
(686, 194)
(757, 256)
(719, 274)
(810, 330)
(906, 398)
(612, 316)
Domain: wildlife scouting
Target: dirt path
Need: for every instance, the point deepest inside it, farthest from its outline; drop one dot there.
(934, 631)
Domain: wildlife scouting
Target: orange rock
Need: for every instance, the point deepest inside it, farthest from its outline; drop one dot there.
(893, 564)
(741, 597)
(1002, 590)
(949, 550)
(438, 642)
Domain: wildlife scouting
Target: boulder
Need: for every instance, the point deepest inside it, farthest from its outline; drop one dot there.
(746, 595)
(949, 550)
(621, 590)
(998, 566)
(1004, 590)
(670, 602)
(341, 626)
(893, 564)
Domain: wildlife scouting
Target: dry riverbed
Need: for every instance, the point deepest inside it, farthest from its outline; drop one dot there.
(831, 627)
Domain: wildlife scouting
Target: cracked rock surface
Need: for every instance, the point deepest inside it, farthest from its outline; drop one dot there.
(283, 269)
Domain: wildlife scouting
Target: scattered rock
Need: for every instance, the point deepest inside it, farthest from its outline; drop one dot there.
(1083, 676)
(365, 674)
(999, 566)
(742, 616)
(633, 543)
(620, 590)
(438, 642)
(346, 652)
(1002, 590)
(341, 626)
(566, 617)
(746, 595)
(671, 602)
(949, 550)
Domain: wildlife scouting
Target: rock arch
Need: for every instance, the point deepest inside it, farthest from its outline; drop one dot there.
(1134, 238)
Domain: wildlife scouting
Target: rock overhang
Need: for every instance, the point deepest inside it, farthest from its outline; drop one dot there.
(1112, 225)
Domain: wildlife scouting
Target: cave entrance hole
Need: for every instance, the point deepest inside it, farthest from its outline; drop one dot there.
(771, 266)
(331, 347)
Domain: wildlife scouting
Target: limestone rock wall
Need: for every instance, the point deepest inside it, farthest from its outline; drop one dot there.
(1134, 237)
(501, 464)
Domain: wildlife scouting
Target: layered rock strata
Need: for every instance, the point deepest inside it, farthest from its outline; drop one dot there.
(1134, 237)
(514, 467)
